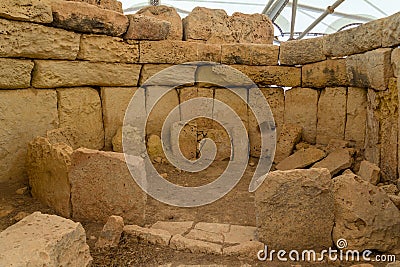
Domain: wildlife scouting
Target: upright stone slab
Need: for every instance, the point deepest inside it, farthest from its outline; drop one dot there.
(295, 210)
(356, 115)
(26, 10)
(331, 114)
(44, 240)
(301, 106)
(372, 147)
(24, 114)
(80, 109)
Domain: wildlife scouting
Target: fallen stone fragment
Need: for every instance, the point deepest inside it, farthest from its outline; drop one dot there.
(248, 249)
(336, 161)
(205, 236)
(111, 233)
(369, 172)
(44, 240)
(301, 159)
(143, 27)
(174, 228)
(390, 189)
(22, 190)
(395, 199)
(148, 235)
(335, 144)
(20, 215)
(289, 136)
(195, 246)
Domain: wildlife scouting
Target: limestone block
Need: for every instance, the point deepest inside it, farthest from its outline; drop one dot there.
(299, 52)
(179, 242)
(240, 234)
(221, 140)
(301, 159)
(114, 102)
(83, 17)
(369, 172)
(49, 74)
(172, 52)
(169, 14)
(111, 233)
(142, 27)
(116, 141)
(357, 40)
(390, 35)
(209, 52)
(113, 5)
(80, 109)
(205, 236)
(68, 136)
(178, 75)
(371, 69)
(26, 10)
(330, 72)
(148, 70)
(174, 227)
(272, 75)
(235, 102)
(24, 114)
(185, 140)
(390, 189)
(335, 144)
(356, 115)
(154, 147)
(289, 136)
(372, 145)
(331, 114)
(36, 41)
(250, 54)
(336, 161)
(357, 205)
(301, 107)
(148, 235)
(15, 73)
(44, 240)
(251, 28)
(89, 175)
(244, 250)
(213, 227)
(222, 76)
(99, 48)
(300, 218)
(395, 60)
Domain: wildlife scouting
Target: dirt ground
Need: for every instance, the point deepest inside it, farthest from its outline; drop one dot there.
(237, 207)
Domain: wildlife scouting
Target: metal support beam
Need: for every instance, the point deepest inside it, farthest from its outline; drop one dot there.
(276, 9)
(329, 10)
(293, 22)
(268, 6)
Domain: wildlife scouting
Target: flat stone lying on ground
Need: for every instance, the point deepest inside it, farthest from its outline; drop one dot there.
(301, 159)
(336, 161)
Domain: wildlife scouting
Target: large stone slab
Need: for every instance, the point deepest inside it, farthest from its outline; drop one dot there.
(44, 240)
(80, 109)
(295, 210)
(148, 235)
(330, 72)
(371, 69)
(114, 102)
(301, 159)
(251, 28)
(51, 74)
(372, 145)
(15, 73)
(83, 17)
(337, 161)
(142, 27)
(179, 242)
(89, 176)
(36, 41)
(24, 114)
(26, 10)
(356, 115)
(172, 52)
(99, 48)
(111, 233)
(299, 52)
(390, 35)
(250, 54)
(169, 14)
(289, 136)
(369, 172)
(358, 205)
(114, 5)
(301, 107)
(331, 114)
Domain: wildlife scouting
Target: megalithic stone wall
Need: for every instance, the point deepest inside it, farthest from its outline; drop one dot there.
(75, 65)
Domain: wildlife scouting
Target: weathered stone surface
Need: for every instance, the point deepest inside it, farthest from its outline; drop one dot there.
(251, 28)
(154, 147)
(148, 235)
(36, 41)
(44, 240)
(47, 167)
(393, 264)
(358, 205)
(357, 40)
(335, 144)
(330, 72)
(80, 110)
(222, 76)
(369, 172)
(20, 110)
(336, 161)
(390, 35)
(299, 52)
(230, 98)
(83, 17)
(395, 59)
(395, 199)
(301, 105)
(185, 140)
(113, 5)
(26, 10)
(244, 250)
(301, 158)
(240, 234)
(116, 141)
(288, 138)
(174, 228)
(111, 233)
(205, 236)
(99, 48)
(356, 115)
(67, 136)
(114, 102)
(209, 52)
(143, 27)
(148, 70)
(172, 52)
(213, 227)
(331, 114)
(298, 217)
(250, 54)
(15, 73)
(89, 176)
(169, 14)
(276, 101)
(51, 74)
(272, 75)
(390, 188)
(371, 69)
(195, 246)
(221, 140)
(372, 145)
